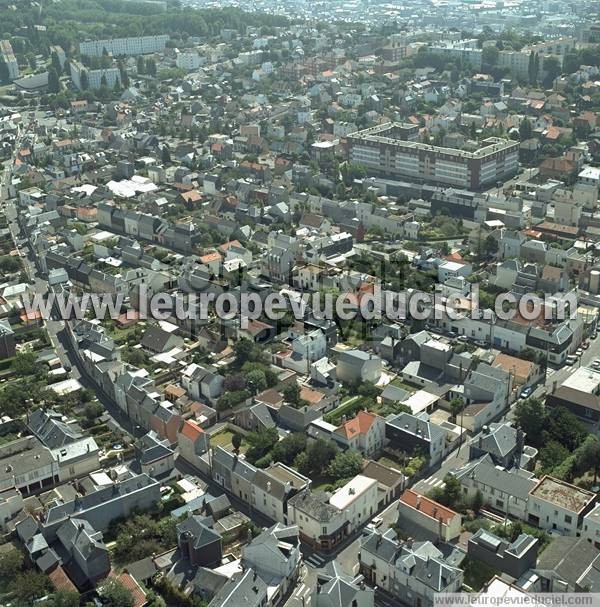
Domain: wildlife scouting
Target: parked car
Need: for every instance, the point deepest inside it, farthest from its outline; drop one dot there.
(570, 360)
(526, 392)
(578, 352)
(463, 338)
(585, 345)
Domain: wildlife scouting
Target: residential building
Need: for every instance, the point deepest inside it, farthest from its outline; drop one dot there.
(568, 564)
(84, 546)
(440, 521)
(412, 433)
(364, 433)
(336, 589)
(381, 149)
(506, 491)
(513, 558)
(92, 79)
(320, 524)
(556, 505)
(135, 45)
(198, 543)
(276, 558)
(412, 572)
(7, 339)
(590, 529)
(154, 454)
(10, 60)
(242, 588)
(357, 499)
(104, 505)
(358, 366)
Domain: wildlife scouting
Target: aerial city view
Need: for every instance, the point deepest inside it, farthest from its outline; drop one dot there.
(299, 303)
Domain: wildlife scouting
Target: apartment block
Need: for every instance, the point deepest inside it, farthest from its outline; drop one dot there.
(137, 45)
(95, 78)
(386, 150)
(9, 58)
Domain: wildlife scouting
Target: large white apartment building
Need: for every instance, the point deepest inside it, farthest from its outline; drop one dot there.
(516, 61)
(391, 150)
(9, 58)
(95, 78)
(138, 45)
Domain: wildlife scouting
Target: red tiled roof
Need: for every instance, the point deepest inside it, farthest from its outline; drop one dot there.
(359, 425)
(191, 430)
(427, 506)
(61, 581)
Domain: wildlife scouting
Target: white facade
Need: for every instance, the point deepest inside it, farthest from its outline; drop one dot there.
(312, 346)
(358, 499)
(188, 61)
(9, 58)
(111, 76)
(11, 503)
(139, 45)
(556, 505)
(590, 529)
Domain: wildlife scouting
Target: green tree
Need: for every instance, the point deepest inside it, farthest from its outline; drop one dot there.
(84, 80)
(477, 503)
(28, 586)
(452, 491)
(236, 442)
(53, 81)
(552, 454)
(64, 598)
(151, 67)
(525, 130)
(530, 415)
(256, 381)
(55, 63)
(24, 364)
(11, 563)
(346, 464)
(490, 246)
(260, 443)
(564, 427)
(291, 393)
(4, 72)
(287, 449)
(552, 70)
(489, 56)
(456, 406)
(116, 594)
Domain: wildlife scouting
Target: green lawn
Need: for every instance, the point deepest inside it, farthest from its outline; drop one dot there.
(401, 384)
(477, 574)
(223, 439)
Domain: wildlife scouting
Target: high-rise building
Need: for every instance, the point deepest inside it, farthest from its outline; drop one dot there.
(138, 45)
(9, 58)
(390, 150)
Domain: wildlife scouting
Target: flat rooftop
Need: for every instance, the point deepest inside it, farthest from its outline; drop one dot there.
(351, 491)
(562, 494)
(385, 133)
(287, 475)
(583, 379)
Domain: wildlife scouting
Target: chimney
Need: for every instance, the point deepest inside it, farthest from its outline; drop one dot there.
(418, 505)
(409, 543)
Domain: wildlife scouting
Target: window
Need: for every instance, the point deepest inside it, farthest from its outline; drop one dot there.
(568, 519)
